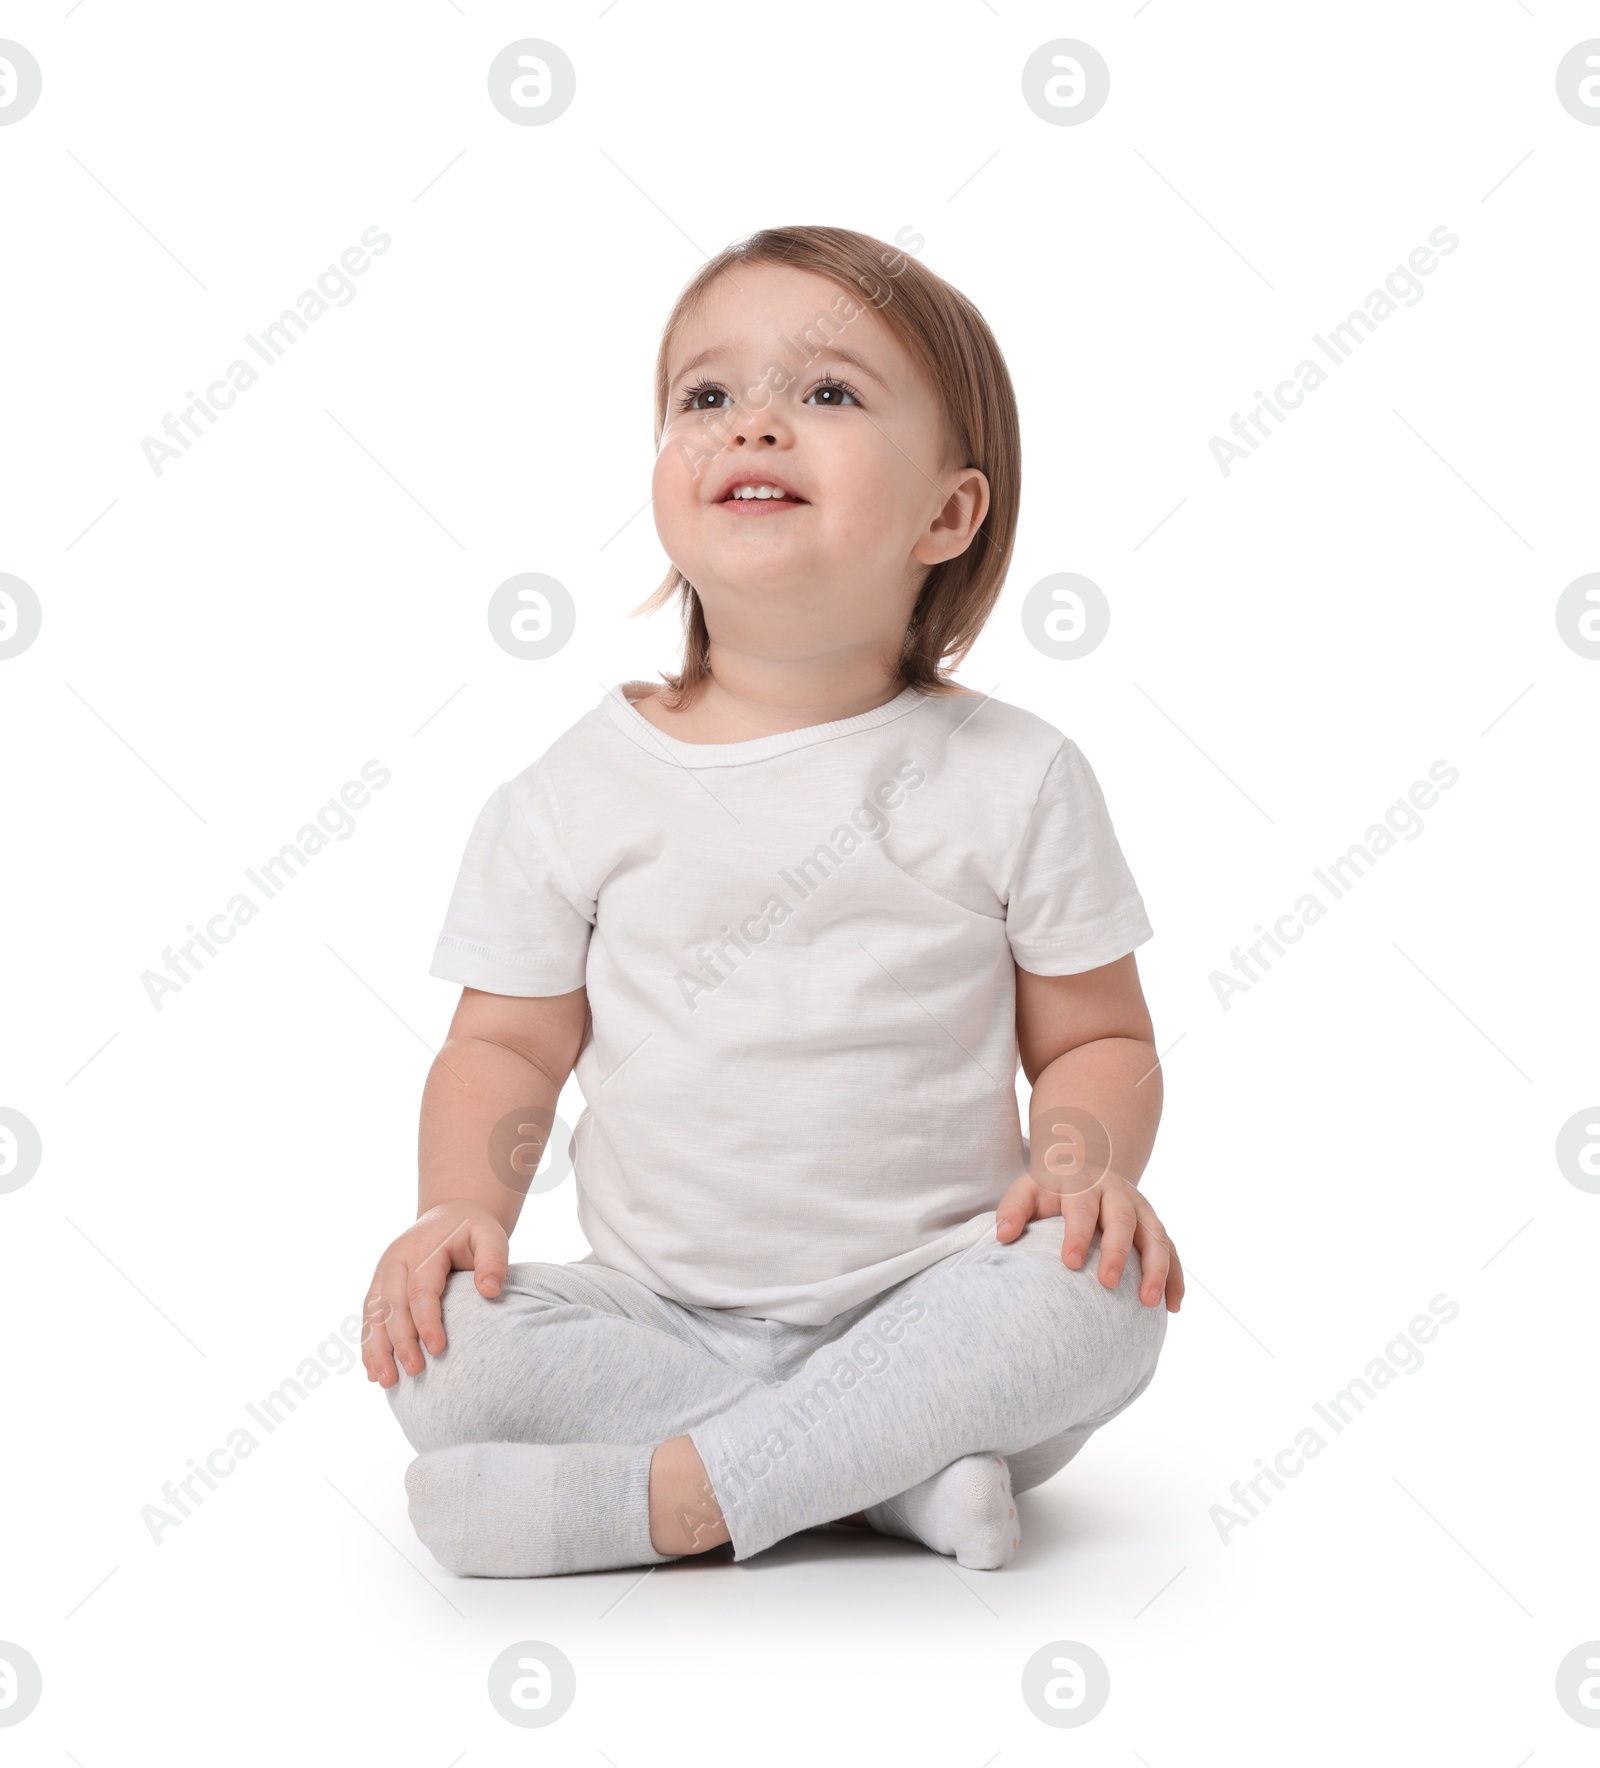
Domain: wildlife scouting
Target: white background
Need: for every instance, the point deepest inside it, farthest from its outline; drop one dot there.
(224, 645)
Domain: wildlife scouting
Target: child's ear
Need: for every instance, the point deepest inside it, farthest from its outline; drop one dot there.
(951, 531)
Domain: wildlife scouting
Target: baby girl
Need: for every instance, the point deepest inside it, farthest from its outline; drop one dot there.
(794, 918)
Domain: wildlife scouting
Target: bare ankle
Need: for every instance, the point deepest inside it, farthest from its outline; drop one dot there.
(685, 1516)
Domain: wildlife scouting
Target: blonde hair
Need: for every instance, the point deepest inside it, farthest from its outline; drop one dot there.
(951, 342)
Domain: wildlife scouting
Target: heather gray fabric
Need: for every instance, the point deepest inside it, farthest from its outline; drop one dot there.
(998, 1348)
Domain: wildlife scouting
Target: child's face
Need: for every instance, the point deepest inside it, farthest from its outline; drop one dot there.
(882, 498)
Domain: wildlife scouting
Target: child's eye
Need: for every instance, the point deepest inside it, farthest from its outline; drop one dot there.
(832, 385)
(691, 399)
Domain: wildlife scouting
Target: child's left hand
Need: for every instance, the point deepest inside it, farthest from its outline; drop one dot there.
(1125, 1219)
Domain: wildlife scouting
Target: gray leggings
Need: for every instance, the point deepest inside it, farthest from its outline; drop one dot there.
(1000, 1348)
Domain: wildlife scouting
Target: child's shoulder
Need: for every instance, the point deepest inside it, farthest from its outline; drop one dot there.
(581, 754)
(1003, 724)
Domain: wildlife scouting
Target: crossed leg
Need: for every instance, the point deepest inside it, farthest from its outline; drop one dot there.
(580, 1421)
(1000, 1351)
(537, 1425)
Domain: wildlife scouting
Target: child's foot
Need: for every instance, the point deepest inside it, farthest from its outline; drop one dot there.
(965, 1509)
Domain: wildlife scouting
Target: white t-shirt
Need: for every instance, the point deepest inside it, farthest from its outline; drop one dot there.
(798, 951)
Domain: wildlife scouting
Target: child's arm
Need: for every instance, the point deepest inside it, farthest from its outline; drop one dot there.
(503, 1055)
(1088, 1050)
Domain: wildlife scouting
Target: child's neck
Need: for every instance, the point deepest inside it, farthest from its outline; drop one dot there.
(749, 697)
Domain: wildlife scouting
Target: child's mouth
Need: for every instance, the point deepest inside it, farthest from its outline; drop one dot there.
(752, 496)
(761, 506)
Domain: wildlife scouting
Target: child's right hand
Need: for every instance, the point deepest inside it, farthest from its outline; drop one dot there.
(402, 1306)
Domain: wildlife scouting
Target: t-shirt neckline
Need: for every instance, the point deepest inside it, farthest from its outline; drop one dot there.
(629, 719)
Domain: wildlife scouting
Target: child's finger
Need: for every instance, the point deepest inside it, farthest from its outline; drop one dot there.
(397, 1319)
(376, 1351)
(1162, 1271)
(1156, 1258)
(490, 1252)
(422, 1297)
(435, 1254)
(378, 1356)
(1174, 1281)
(1080, 1213)
(1118, 1220)
(1016, 1209)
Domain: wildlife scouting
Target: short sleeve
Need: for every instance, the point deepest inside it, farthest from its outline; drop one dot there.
(1072, 904)
(516, 924)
